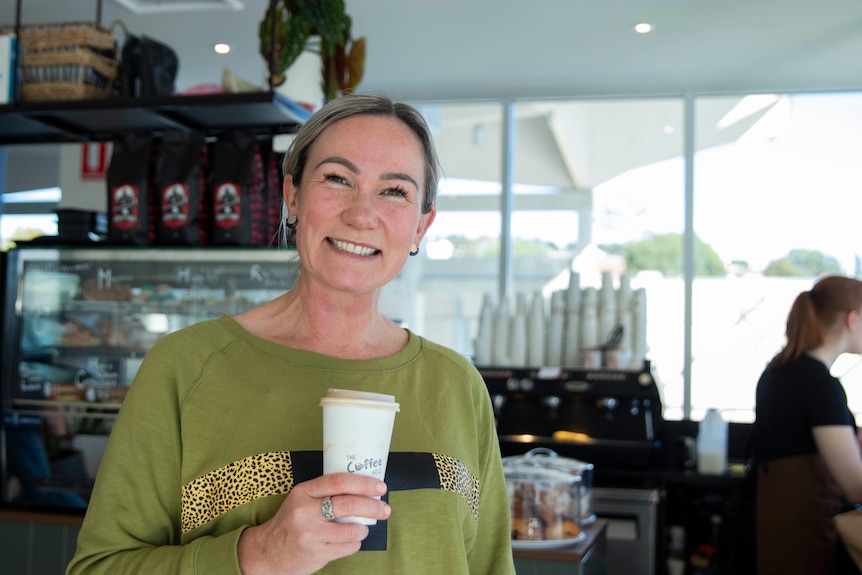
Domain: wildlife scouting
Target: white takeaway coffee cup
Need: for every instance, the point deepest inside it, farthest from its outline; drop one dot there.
(357, 430)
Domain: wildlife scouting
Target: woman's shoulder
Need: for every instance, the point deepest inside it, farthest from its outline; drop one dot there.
(442, 352)
(207, 335)
(446, 359)
(804, 369)
(174, 363)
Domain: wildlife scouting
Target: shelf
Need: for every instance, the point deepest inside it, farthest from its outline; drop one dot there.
(49, 354)
(48, 408)
(104, 119)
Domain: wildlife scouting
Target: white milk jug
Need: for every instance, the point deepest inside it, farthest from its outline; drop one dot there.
(712, 444)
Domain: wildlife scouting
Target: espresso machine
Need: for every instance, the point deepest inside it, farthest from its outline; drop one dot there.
(610, 418)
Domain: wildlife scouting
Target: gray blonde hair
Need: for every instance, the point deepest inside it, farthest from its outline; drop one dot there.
(354, 105)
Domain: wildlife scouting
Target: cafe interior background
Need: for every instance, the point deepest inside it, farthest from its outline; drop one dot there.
(712, 163)
(714, 160)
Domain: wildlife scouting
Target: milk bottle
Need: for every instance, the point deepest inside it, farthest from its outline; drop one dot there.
(712, 444)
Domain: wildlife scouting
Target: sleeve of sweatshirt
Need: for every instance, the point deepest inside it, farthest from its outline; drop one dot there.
(132, 524)
(491, 553)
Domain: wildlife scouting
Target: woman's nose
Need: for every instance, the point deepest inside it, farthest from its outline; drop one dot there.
(359, 212)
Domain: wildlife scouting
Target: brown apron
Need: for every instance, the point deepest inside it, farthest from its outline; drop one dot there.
(796, 499)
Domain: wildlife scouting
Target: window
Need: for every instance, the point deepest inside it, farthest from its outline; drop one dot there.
(599, 189)
(26, 215)
(591, 181)
(600, 185)
(778, 204)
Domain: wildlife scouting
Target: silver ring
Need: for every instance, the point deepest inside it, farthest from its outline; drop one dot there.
(326, 509)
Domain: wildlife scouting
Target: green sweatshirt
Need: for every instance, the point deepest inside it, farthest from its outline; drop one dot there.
(219, 425)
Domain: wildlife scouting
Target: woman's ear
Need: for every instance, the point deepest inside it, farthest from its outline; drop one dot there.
(425, 221)
(289, 194)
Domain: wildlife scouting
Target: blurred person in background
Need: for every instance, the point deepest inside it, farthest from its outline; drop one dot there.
(806, 448)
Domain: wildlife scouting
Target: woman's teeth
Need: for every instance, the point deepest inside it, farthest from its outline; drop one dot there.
(353, 248)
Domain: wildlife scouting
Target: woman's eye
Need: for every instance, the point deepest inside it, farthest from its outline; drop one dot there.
(335, 178)
(396, 192)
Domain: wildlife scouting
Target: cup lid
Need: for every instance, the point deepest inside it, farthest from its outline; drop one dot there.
(368, 403)
(353, 394)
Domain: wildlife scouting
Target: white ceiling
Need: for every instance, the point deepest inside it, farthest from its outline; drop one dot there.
(492, 48)
(587, 46)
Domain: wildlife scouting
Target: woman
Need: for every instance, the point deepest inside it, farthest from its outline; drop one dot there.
(805, 435)
(214, 464)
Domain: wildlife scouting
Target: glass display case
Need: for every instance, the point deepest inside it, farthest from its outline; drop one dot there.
(77, 322)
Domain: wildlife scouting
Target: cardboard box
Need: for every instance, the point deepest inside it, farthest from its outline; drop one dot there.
(7, 68)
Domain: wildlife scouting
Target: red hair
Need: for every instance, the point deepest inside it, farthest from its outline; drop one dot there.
(816, 311)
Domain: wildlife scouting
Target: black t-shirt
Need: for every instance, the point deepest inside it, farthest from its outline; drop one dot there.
(793, 399)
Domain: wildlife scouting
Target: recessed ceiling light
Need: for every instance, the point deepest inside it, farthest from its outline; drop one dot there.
(162, 6)
(221, 48)
(643, 28)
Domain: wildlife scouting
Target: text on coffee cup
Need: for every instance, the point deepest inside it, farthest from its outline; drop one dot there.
(367, 465)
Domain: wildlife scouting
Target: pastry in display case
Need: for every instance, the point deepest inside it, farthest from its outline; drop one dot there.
(77, 322)
(545, 506)
(582, 471)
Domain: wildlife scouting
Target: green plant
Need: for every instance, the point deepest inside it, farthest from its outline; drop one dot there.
(295, 22)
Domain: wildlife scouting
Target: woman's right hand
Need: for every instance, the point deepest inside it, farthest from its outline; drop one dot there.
(298, 540)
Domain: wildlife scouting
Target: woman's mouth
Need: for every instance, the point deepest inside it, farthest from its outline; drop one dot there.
(352, 248)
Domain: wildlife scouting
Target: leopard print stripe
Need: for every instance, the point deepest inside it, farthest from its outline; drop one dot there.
(237, 483)
(455, 477)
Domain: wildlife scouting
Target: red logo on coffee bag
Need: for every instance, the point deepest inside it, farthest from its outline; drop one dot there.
(227, 205)
(175, 205)
(124, 207)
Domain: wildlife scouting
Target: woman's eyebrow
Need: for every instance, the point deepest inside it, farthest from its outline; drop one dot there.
(339, 160)
(353, 168)
(399, 176)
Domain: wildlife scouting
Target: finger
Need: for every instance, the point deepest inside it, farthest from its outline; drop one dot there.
(345, 483)
(354, 506)
(330, 541)
(333, 550)
(340, 533)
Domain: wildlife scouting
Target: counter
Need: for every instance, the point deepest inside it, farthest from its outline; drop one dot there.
(586, 557)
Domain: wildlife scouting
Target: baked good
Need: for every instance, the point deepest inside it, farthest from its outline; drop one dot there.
(542, 511)
(563, 529)
(527, 529)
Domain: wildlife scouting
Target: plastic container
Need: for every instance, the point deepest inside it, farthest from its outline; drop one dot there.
(712, 444)
(544, 458)
(543, 503)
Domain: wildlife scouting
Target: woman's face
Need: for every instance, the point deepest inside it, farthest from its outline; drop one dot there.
(854, 324)
(359, 203)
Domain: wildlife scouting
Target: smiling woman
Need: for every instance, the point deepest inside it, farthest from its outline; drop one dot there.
(242, 448)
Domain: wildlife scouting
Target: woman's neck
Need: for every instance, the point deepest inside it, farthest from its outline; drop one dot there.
(825, 354)
(352, 328)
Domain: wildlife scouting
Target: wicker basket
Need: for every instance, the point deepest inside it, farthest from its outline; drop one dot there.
(68, 61)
